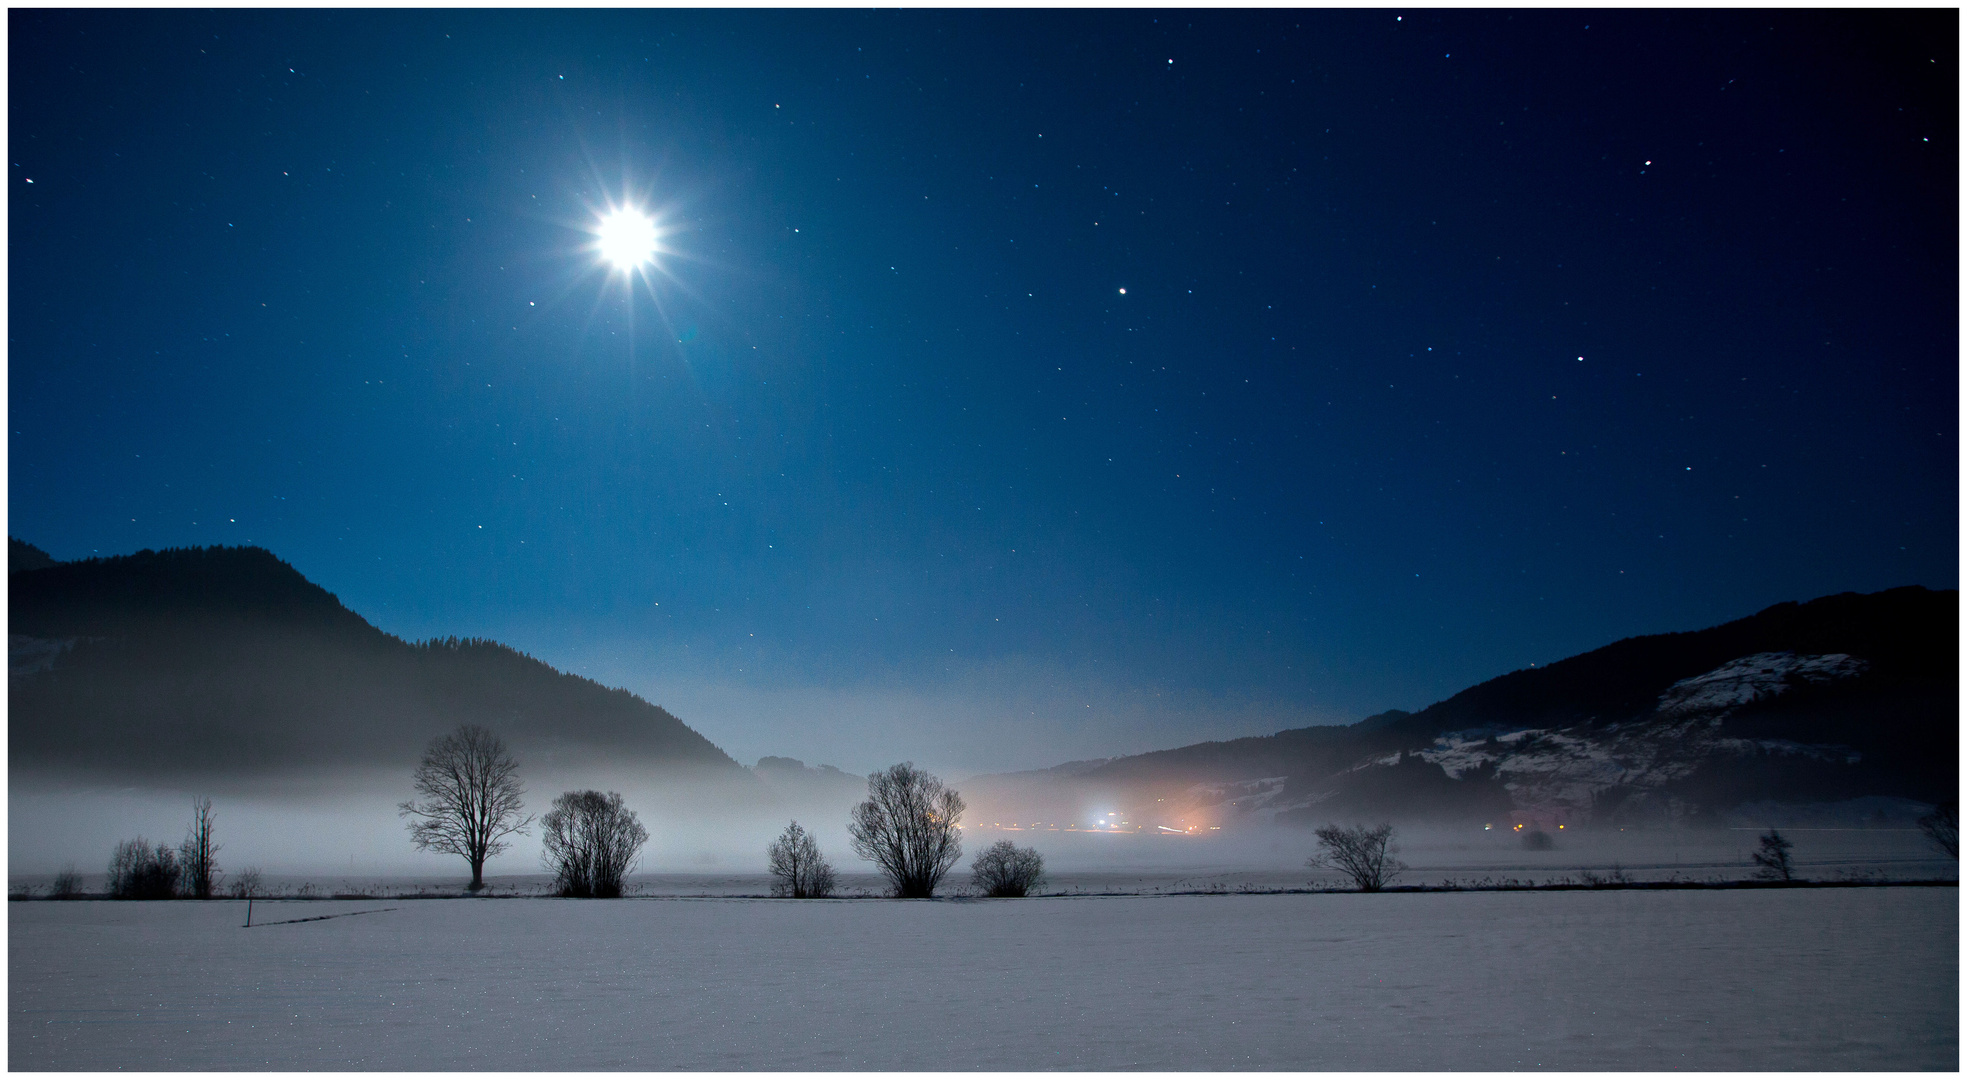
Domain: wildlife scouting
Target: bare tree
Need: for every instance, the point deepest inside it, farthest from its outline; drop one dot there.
(468, 798)
(246, 883)
(1942, 827)
(1774, 857)
(1005, 869)
(908, 827)
(197, 855)
(67, 886)
(591, 842)
(139, 871)
(798, 869)
(1360, 853)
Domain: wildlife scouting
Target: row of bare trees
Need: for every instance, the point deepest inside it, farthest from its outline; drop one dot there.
(140, 870)
(909, 828)
(470, 799)
(1365, 855)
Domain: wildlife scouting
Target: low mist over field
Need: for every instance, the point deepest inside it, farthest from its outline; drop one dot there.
(142, 682)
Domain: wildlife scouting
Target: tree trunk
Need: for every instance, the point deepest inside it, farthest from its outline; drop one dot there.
(477, 875)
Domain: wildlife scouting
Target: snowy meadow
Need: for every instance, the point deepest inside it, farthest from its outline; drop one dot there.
(1846, 978)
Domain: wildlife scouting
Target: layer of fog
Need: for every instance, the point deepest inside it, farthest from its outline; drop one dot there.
(346, 828)
(348, 822)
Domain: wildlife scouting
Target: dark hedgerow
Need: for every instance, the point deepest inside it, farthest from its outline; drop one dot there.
(142, 871)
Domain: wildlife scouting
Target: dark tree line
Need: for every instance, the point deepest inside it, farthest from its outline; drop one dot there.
(470, 799)
(910, 827)
(140, 870)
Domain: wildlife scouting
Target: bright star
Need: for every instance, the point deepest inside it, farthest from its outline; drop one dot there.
(627, 238)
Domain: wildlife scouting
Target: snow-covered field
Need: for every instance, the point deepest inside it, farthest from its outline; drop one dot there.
(1859, 978)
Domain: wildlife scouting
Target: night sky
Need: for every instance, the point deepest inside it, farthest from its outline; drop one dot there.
(1011, 386)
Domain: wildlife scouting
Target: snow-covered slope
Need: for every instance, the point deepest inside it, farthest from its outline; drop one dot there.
(1564, 775)
(1844, 698)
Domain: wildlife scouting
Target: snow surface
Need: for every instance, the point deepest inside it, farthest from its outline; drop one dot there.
(1835, 979)
(1555, 776)
(1754, 678)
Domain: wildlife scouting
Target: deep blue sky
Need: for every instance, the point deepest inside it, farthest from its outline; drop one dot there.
(1450, 343)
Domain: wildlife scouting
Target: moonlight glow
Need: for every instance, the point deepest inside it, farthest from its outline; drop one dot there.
(628, 238)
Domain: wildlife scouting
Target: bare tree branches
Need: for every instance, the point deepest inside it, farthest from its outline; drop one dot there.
(469, 798)
(1774, 857)
(908, 827)
(67, 886)
(591, 841)
(1360, 853)
(197, 855)
(246, 883)
(139, 871)
(798, 869)
(1942, 827)
(1004, 869)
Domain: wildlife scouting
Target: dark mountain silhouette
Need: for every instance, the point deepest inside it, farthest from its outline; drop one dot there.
(22, 555)
(1840, 698)
(797, 778)
(227, 660)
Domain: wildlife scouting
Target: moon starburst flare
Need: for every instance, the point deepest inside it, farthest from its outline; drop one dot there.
(627, 238)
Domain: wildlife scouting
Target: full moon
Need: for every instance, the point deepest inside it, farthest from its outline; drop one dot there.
(628, 238)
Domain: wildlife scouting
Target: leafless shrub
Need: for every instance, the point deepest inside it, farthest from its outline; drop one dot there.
(1004, 869)
(468, 798)
(908, 827)
(798, 869)
(1360, 853)
(1614, 877)
(246, 883)
(140, 871)
(1773, 857)
(1942, 827)
(591, 843)
(67, 886)
(197, 855)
